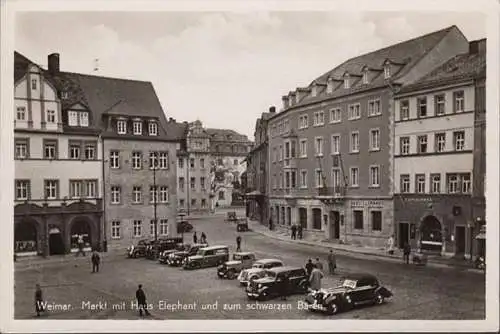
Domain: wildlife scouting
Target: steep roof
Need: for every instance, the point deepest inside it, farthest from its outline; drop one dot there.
(21, 64)
(222, 134)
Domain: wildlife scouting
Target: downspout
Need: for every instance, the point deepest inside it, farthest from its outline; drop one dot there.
(104, 241)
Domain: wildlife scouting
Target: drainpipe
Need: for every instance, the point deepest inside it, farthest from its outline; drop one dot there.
(104, 242)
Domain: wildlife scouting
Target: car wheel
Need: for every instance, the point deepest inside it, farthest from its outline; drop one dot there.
(231, 274)
(332, 309)
(379, 299)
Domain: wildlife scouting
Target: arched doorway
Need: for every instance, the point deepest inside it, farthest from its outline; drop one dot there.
(81, 226)
(56, 242)
(26, 237)
(431, 235)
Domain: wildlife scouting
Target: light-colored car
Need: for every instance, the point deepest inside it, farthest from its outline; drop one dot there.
(240, 261)
(258, 270)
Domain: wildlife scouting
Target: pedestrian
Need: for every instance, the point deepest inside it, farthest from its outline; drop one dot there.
(294, 232)
(315, 279)
(238, 243)
(406, 253)
(38, 300)
(332, 262)
(270, 224)
(80, 245)
(299, 231)
(318, 264)
(96, 259)
(141, 301)
(285, 287)
(309, 267)
(195, 238)
(390, 245)
(203, 238)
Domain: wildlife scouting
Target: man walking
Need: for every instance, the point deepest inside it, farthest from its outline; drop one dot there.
(96, 259)
(195, 238)
(315, 279)
(390, 245)
(38, 300)
(238, 243)
(294, 232)
(332, 262)
(406, 253)
(309, 267)
(299, 231)
(203, 238)
(141, 301)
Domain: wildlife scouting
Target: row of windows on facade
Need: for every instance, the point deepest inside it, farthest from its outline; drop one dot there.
(137, 194)
(156, 158)
(456, 183)
(284, 217)
(182, 203)
(439, 143)
(182, 183)
(77, 149)
(232, 149)
(192, 162)
(77, 189)
(439, 106)
(354, 113)
(137, 232)
(121, 127)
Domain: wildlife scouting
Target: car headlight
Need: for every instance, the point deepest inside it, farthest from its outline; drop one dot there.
(348, 298)
(259, 286)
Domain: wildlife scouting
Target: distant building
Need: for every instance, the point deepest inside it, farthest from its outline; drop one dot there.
(439, 156)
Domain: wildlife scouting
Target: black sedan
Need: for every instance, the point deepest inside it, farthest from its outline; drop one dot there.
(356, 289)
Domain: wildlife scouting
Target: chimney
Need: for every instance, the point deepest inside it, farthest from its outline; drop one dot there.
(170, 119)
(53, 63)
(272, 109)
(286, 102)
(477, 47)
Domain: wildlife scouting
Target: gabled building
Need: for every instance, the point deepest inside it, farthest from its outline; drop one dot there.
(439, 156)
(331, 147)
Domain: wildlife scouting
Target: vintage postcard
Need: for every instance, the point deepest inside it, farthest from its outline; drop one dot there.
(168, 163)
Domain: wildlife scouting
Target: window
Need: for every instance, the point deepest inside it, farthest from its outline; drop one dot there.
(358, 219)
(163, 226)
(21, 149)
(287, 150)
(335, 115)
(137, 229)
(74, 150)
(75, 189)
(405, 183)
(163, 194)
(336, 177)
(459, 140)
(387, 71)
(181, 183)
(466, 183)
(153, 194)
(422, 144)
(202, 163)
(293, 179)
(303, 121)
(121, 127)
(51, 189)
(374, 176)
(50, 149)
(436, 183)
(153, 160)
(347, 82)
(153, 129)
(280, 153)
(404, 145)
(335, 144)
(84, 118)
(374, 108)
(354, 111)
(303, 148)
(181, 162)
(136, 195)
(318, 147)
(365, 78)
(193, 183)
(163, 160)
(137, 127)
(440, 142)
(203, 203)
(376, 220)
(303, 178)
(374, 140)
(115, 195)
(21, 113)
(115, 229)
(136, 160)
(114, 159)
(182, 203)
(293, 149)
(51, 116)
(318, 178)
(439, 105)
(33, 84)
(354, 142)
(452, 183)
(22, 190)
(72, 118)
(319, 118)
(221, 195)
(90, 150)
(202, 183)
(287, 180)
(404, 110)
(152, 227)
(458, 101)
(420, 183)
(90, 188)
(354, 177)
(422, 107)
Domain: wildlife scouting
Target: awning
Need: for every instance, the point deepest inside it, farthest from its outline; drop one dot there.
(481, 236)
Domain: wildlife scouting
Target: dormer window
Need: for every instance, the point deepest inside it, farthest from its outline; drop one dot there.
(365, 77)
(84, 118)
(314, 90)
(329, 86)
(387, 71)
(297, 98)
(153, 128)
(121, 127)
(347, 83)
(137, 127)
(64, 95)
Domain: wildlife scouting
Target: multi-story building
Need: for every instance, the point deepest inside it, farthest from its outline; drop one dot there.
(257, 165)
(439, 156)
(331, 164)
(58, 161)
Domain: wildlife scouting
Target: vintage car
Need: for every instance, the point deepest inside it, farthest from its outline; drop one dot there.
(211, 256)
(242, 225)
(157, 247)
(230, 269)
(178, 248)
(258, 270)
(184, 227)
(177, 258)
(271, 285)
(356, 289)
(138, 250)
(231, 216)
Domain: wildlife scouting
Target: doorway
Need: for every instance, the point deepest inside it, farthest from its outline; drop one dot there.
(334, 225)
(316, 219)
(303, 217)
(460, 240)
(403, 235)
(431, 236)
(56, 242)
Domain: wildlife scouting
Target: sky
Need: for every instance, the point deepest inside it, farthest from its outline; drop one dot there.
(223, 68)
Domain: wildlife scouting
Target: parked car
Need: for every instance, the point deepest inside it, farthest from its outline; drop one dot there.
(178, 248)
(231, 216)
(177, 258)
(270, 285)
(155, 248)
(138, 250)
(230, 269)
(355, 290)
(258, 270)
(242, 225)
(184, 227)
(207, 257)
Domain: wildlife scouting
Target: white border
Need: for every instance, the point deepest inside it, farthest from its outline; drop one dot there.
(9, 8)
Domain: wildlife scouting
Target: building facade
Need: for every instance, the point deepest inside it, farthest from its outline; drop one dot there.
(331, 147)
(58, 178)
(439, 156)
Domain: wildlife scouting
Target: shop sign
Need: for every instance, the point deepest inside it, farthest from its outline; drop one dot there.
(418, 199)
(369, 203)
